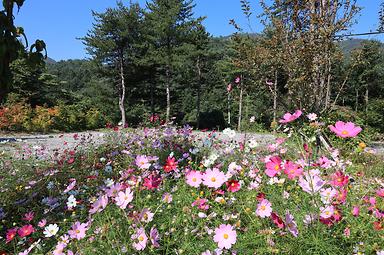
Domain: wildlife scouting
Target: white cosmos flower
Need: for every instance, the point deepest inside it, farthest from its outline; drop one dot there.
(51, 230)
(71, 201)
(229, 132)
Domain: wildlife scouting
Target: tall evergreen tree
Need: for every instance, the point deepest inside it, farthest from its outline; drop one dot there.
(113, 44)
(169, 23)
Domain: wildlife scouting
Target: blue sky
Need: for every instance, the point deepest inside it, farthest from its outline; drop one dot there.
(59, 23)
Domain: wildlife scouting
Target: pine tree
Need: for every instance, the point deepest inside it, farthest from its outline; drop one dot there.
(113, 43)
(169, 23)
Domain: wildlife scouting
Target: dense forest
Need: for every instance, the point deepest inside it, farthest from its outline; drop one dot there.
(158, 64)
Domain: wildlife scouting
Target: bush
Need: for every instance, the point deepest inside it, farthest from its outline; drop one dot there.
(374, 116)
(14, 116)
(212, 120)
(43, 119)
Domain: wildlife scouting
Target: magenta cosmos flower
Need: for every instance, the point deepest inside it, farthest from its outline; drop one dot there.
(139, 239)
(273, 166)
(25, 230)
(78, 230)
(345, 130)
(292, 170)
(264, 208)
(214, 178)
(225, 236)
(194, 178)
(124, 198)
(288, 117)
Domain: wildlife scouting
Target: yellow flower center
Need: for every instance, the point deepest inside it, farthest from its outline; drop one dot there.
(213, 179)
(141, 238)
(226, 236)
(277, 167)
(194, 179)
(345, 132)
(263, 207)
(77, 231)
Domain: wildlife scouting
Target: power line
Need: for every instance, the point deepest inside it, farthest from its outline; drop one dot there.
(360, 34)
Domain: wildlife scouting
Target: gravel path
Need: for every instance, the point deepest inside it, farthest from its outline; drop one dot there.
(59, 142)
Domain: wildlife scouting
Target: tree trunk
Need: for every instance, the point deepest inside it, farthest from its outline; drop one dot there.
(229, 109)
(198, 93)
(275, 99)
(168, 92)
(152, 91)
(240, 104)
(122, 91)
(366, 98)
(357, 100)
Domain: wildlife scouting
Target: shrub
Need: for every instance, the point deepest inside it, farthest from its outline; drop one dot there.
(14, 116)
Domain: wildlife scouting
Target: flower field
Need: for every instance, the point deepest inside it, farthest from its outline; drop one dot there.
(166, 191)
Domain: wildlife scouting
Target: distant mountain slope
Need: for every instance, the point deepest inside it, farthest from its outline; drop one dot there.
(50, 61)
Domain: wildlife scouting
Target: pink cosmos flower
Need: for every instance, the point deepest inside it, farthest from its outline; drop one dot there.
(355, 211)
(225, 236)
(324, 162)
(146, 215)
(124, 198)
(264, 208)
(380, 192)
(327, 212)
(70, 186)
(201, 203)
(167, 198)
(142, 162)
(25, 230)
(273, 166)
(311, 183)
(114, 190)
(292, 170)
(288, 117)
(327, 195)
(139, 239)
(291, 224)
(345, 130)
(42, 223)
(78, 230)
(214, 178)
(339, 179)
(154, 237)
(99, 205)
(29, 216)
(11, 233)
(194, 178)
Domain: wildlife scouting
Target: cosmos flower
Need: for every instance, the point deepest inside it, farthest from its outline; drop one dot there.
(327, 212)
(25, 230)
(288, 117)
(194, 178)
(139, 239)
(233, 185)
(225, 236)
(154, 237)
(146, 215)
(99, 205)
(345, 130)
(124, 198)
(273, 166)
(214, 178)
(78, 230)
(11, 233)
(142, 162)
(264, 208)
(170, 165)
(291, 224)
(51, 230)
(152, 182)
(292, 170)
